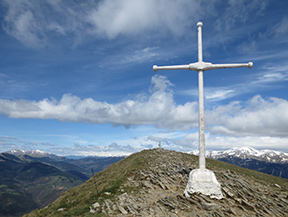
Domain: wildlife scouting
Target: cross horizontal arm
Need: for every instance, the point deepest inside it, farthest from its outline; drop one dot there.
(236, 65)
(155, 68)
(203, 66)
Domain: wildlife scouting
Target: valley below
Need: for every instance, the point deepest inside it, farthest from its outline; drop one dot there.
(30, 182)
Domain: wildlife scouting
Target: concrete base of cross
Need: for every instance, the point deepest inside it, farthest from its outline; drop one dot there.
(203, 181)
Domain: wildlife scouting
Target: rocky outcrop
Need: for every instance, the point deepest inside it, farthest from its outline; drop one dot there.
(159, 191)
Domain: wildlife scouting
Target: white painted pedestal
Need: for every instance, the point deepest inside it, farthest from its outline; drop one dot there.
(203, 181)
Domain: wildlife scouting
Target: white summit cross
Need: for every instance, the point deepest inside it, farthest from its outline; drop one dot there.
(202, 180)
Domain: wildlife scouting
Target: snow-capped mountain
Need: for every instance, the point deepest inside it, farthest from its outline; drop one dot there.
(33, 153)
(248, 153)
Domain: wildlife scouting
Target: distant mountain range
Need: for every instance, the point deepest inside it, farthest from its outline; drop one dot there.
(34, 153)
(266, 161)
(81, 165)
(34, 179)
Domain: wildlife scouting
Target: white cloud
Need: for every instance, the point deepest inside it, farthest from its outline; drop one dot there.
(257, 142)
(187, 142)
(262, 117)
(9, 143)
(112, 149)
(176, 140)
(113, 18)
(23, 26)
(139, 56)
(217, 94)
(158, 109)
(258, 116)
(35, 23)
(273, 73)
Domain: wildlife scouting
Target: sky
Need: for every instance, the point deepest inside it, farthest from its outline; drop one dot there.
(76, 76)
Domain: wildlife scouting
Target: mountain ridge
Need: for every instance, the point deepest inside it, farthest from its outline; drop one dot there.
(240, 152)
(248, 152)
(32, 153)
(152, 182)
(267, 161)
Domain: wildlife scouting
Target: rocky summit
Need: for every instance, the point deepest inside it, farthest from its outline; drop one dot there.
(152, 183)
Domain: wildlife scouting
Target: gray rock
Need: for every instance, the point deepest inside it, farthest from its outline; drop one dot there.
(228, 192)
(95, 205)
(248, 205)
(210, 206)
(122, 210)
(132, 210)
(278, 186)
(167, 202)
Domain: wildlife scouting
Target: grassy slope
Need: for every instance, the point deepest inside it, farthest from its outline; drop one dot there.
(77, 201)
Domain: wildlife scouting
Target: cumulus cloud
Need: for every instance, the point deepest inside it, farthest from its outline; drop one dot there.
(257, 142)
(159, 109)
(258, 116)
(187, 142)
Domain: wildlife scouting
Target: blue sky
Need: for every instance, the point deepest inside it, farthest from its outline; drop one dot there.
(76, 76)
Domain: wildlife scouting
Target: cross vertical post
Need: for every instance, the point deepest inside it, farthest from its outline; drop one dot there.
(200, 52)
(202, 160)
(202, 180)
